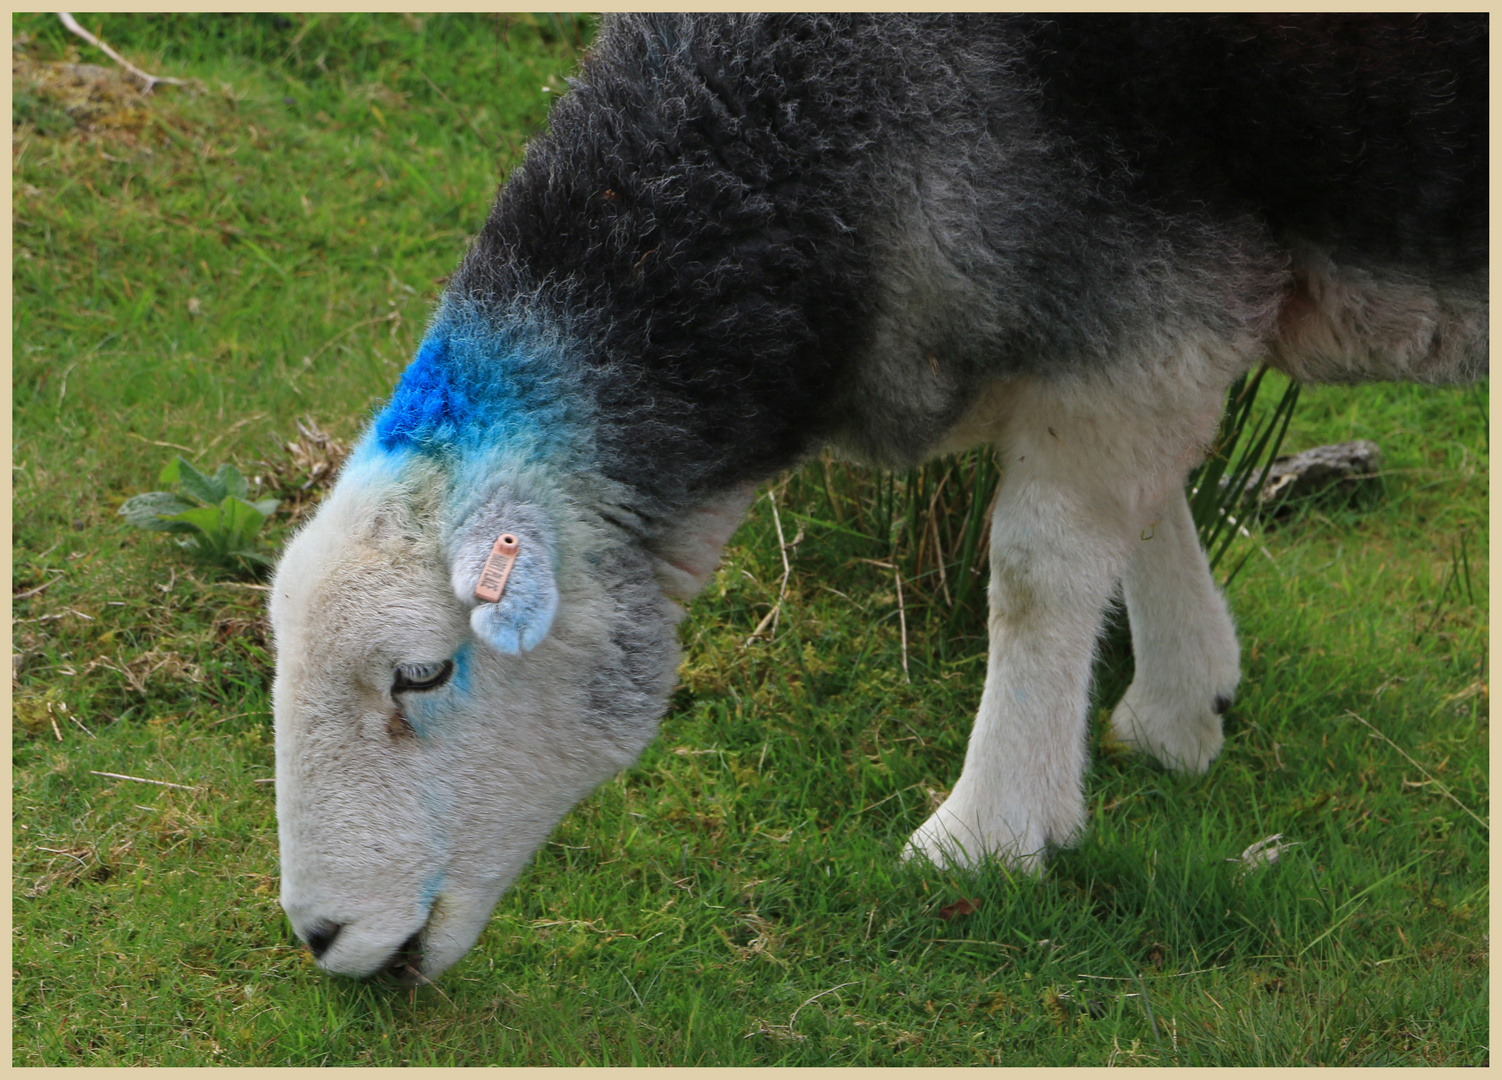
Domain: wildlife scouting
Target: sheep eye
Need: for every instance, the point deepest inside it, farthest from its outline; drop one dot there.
(421, 676)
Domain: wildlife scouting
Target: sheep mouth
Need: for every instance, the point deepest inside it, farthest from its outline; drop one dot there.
(405, 965)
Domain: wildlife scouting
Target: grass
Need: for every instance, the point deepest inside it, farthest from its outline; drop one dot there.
(196, 270)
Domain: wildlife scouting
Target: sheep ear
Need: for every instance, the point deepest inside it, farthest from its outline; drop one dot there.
(522, 617)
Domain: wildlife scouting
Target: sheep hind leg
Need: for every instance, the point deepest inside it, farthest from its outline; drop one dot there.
(1187, 657)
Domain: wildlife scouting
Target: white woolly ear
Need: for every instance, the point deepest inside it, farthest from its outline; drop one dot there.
(519, 621)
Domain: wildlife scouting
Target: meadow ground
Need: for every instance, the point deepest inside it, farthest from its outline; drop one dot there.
(197, 270)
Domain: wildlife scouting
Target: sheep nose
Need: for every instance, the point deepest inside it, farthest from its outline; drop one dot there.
(320, 936)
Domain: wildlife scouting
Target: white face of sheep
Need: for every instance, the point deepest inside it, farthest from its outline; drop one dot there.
(426, 744)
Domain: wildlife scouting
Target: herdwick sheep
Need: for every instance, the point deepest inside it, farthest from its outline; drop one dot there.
(746, 238)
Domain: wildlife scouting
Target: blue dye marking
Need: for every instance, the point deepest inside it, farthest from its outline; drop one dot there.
(459, 680)
(419, 714)
(428, 406)
(431, 888)
(426, 711)
(478, 386)
(369, 465)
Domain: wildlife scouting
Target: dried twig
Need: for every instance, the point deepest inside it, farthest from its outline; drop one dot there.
(423, 980)
(158, 442)
(793, 1019)
(45, 585)
(1133, 978)
(782, 549)
(787, 570)
(388, 317)
(60, 851)
(141, 780)
(1446, 791)
(901, 608)
(150, 80)
(889, 798)
(902, 622)
(933, 525)
(786, 1031)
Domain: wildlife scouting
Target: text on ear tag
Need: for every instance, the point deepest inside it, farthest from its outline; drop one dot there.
(497, 569)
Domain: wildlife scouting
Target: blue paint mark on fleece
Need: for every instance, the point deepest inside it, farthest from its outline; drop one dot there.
(428, 405)
(430, 889)
(459, 680)
(477, 385)
(425, 712)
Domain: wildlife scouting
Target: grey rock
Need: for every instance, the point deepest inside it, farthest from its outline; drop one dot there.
(1338, 470)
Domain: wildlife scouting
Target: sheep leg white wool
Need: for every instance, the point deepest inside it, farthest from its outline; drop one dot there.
(1084, 480)
(1188, 661)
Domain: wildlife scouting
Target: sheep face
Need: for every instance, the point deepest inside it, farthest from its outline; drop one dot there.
(426, 744)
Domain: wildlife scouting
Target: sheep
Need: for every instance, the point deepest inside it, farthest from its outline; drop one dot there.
(748, 238)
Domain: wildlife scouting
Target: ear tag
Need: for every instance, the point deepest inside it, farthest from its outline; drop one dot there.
(497, 569)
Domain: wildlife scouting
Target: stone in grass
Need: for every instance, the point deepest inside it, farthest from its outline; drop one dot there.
(1334, 472)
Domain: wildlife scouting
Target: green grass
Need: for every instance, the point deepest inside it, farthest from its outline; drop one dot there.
(197, 269)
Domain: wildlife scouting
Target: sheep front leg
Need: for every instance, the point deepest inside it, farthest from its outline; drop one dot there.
(1061, 535)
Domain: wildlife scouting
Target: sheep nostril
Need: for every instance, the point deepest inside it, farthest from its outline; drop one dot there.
(320, 936)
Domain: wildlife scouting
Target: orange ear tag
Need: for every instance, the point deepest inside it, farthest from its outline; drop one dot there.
(497, 569)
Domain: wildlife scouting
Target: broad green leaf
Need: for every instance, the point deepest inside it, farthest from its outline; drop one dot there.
(239, 522)
(203, 488)
(148, 511)
(267, 507)
(225, 531)
(232, 480)
(203, 518)
(169, 473)
(206, 521)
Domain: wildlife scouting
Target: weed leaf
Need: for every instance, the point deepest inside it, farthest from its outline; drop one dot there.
(203, 520)
(255, 557)
(239, 521)
(151, 510)
(232, 481)
(194, 483)
(224, 530)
